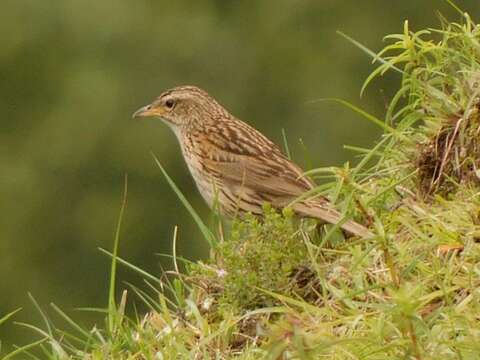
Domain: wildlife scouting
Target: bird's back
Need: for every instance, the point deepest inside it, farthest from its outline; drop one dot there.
(236, 164)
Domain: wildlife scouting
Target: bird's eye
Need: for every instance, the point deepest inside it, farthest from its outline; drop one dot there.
(169, 103)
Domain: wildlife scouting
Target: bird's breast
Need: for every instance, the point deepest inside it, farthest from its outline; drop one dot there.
(205, 182)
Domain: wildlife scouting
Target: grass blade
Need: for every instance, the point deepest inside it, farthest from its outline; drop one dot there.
(113, 270)
(9, 315)
(207, 234)
(369, 117)
(130, 265)
(23, 349)
(285, 144)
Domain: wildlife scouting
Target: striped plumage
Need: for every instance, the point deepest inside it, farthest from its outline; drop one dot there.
(234, 165)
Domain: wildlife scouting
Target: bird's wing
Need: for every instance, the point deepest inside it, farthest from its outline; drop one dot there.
(264, 174)
(250, 160)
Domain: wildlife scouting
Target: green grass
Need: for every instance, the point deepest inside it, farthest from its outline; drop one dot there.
(287, 289)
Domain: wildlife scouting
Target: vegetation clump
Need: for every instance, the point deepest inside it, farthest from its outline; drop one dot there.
(444, 80)
(277, 290)
(253, 259)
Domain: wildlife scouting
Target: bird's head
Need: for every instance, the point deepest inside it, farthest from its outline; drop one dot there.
(182, 106)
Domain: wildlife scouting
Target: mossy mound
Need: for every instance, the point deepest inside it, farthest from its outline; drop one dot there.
(254, 258)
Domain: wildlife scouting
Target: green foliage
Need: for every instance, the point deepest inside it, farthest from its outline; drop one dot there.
(254, 259)
(442, 82)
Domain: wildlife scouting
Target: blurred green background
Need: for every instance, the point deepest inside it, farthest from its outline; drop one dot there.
(72, 73)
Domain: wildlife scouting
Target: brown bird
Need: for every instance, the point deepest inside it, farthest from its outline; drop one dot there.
(234, 165)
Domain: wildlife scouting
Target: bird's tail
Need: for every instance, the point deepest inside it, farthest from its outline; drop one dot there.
(328, 215)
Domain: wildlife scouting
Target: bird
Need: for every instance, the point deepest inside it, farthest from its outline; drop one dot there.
(235, 167)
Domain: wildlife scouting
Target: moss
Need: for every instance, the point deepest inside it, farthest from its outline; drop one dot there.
(260, 254)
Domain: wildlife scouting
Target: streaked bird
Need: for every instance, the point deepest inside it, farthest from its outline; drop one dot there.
(234, 165)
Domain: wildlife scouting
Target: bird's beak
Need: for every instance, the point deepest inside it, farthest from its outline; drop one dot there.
(147, 110)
